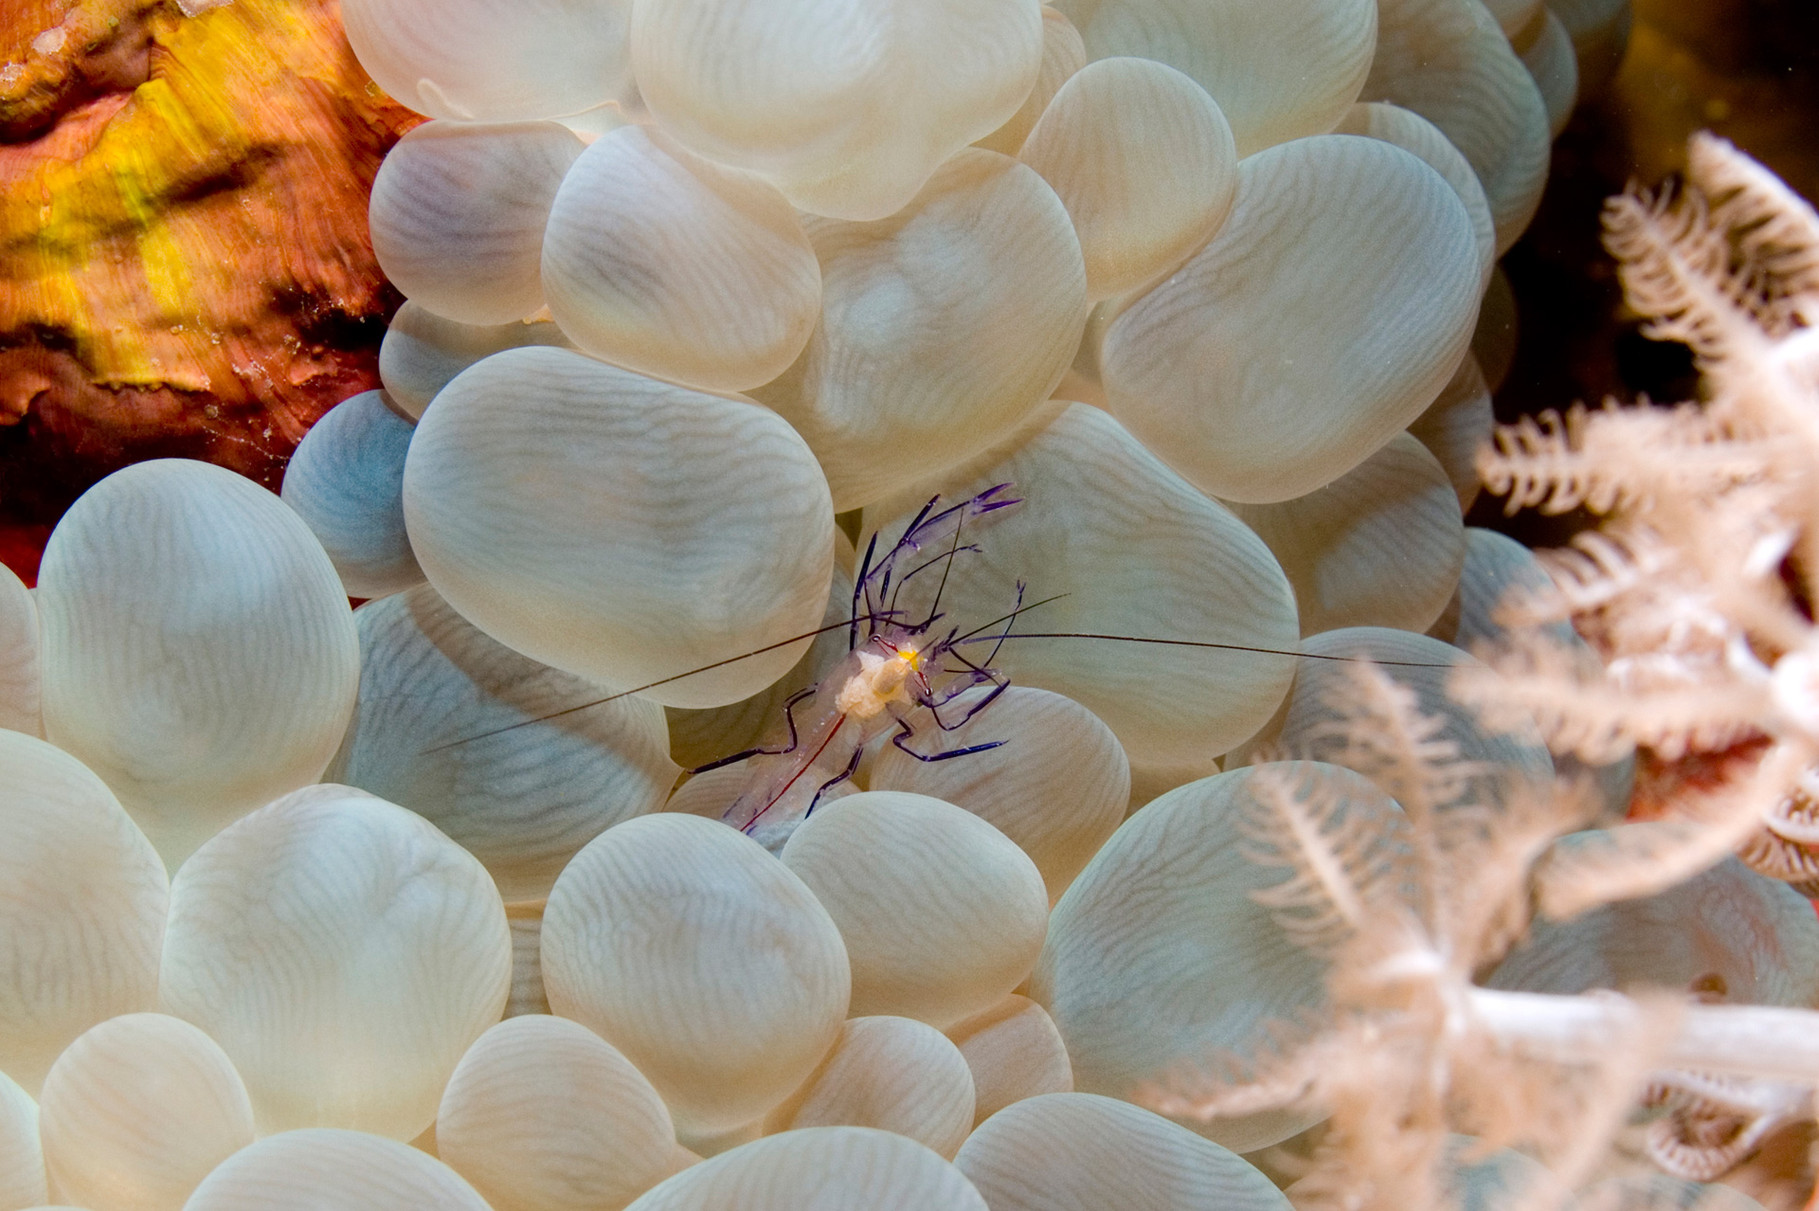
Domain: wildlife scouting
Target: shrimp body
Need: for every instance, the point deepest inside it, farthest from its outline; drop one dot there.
(896, 677)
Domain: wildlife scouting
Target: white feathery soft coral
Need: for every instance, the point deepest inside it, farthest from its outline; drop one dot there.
(1698, 588)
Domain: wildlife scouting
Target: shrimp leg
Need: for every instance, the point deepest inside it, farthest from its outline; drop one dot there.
(904, 732)
(789, 717)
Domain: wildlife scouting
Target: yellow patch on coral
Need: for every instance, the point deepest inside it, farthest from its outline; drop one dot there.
(159, 226)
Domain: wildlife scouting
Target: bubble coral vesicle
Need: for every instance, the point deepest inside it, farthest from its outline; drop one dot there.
(21, 696)
(473, 737)
(423, 351)
(848, 108)
(1327, 312)
(1278, 71)
(893, 1073)
(494, 60)
(942, 914)
(543, 1115)
(1158, 959)
(1123, 546)
(198, 650)
(457, 215)
(672, 265)
(619, 527)
(1014, 1052)
(1449, 62)
(1144, 162)
(22, 1178)
(703, 959)
(942, 326)
(1058, 784)
(139, 1110)
(1082, 1152)
(344, 953)
(820, 1168)
(312, 1167)
(1382, 545)
(82, 923)
(346, 480)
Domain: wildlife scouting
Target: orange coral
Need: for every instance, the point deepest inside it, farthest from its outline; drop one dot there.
(184, 265)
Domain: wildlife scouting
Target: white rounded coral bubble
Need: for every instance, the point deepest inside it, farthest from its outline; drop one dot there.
(1547, 52)
(519, 763)
(22, 1178)
(423, 351)
(848, 108)
(1082, 1152)
(82, 906)
(1279, 71)
(1145, 164)
(1327, 312)
(1057, 784)
(896, 1074)
(1013, 1051)
(1449, 62)
(1502, 760)
(493, 60)
(700, 737)
(1456, 424)
(705, 960)
(1726, 933)
(21, 700)
(346, 480)
(618, 527)
(199, 653)
(138, 1110)
(318, 1167)
(1415, 134)
(1063, 54)
(457, 215)
(941, 913)
(671, 265)
(819, 1169)
(344, 954)
(543, 1115)
(941, 326)
(1382, 545)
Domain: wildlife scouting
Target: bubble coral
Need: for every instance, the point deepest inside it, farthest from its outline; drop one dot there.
(197, 649)
(84, 885)
(343, 952)
(138, 1110)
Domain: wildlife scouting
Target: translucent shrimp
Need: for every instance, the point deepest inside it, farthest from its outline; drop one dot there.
(900, 674)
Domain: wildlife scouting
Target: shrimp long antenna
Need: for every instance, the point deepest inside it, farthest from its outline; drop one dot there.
(586, 706)
(1198, 643)
(947, 565)
(1022, 609)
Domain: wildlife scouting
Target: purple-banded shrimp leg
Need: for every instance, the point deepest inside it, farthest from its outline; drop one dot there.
(904, 732)
(985, 502)
(979, 674)
(999, 683)
(789, 717)
(852, 767)
(946, 560)
(862, 584)
(877, 573)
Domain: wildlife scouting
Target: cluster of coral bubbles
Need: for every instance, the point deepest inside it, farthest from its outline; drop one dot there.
(383, 908)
